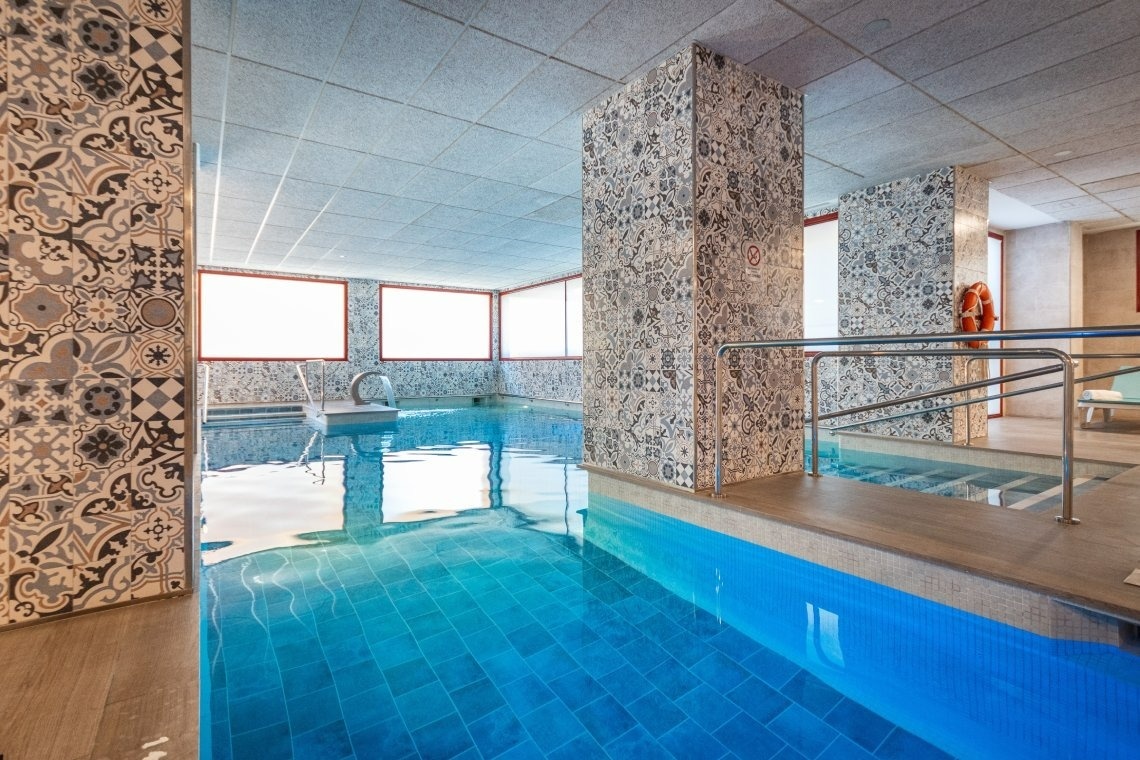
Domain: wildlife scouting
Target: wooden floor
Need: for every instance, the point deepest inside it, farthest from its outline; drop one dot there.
(1116, 442)
(113, 685)
(123, 683)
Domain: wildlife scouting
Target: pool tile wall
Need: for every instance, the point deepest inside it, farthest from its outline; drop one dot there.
(93, 273)
(907, 251)
(554, 379)
(1020, 608)
(686, 245)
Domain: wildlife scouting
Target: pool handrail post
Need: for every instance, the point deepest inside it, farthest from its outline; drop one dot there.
(1068, 399)
(718, 455)
(815, 414)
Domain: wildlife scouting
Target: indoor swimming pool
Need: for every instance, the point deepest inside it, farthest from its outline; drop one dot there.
(446, 587)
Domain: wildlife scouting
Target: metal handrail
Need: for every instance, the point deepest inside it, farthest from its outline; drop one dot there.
(1115, 331)
(1065, 366)
(1076, 381)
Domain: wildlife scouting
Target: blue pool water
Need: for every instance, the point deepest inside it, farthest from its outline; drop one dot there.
(438, 588)
(1031, 492)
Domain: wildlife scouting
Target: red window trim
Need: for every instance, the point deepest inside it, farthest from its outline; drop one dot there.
(380, 324)
(502, 293)
(831, 217)
(227, 273)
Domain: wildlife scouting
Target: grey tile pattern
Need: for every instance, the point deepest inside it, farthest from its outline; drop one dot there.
(907, 251)
(638, 277)
(681, 255)
(93, 268)
(552, 379)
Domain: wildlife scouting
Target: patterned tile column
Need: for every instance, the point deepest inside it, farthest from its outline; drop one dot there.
(907, 251)
(692, 237)
(92, 306)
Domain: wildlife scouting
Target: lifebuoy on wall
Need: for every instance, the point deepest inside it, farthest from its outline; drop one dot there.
(977, 311)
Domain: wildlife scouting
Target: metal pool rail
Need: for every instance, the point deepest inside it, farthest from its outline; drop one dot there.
(1065, 364)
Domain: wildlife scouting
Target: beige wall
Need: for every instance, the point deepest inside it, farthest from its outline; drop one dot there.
(1109, 298)
(1043, 276)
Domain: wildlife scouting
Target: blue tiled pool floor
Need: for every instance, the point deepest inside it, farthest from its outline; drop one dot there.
(475, 637)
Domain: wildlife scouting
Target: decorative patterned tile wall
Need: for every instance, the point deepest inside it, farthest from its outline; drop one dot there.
(92, 306)
(245, 382)
(554, 379)
(907, 250)
(692, 236)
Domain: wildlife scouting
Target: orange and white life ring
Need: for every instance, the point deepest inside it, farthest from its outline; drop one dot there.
(977, 311)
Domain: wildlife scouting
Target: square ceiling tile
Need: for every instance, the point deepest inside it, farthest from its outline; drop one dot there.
(403, 210)
(547, 95)
(565, 181)
(805, 58)
(904, 20)
(290, 217)
(1063, 41)
(1071, 76)
(460, 10)
(482, 194)
(1101, 166)
(1059, 111)
(349, 119)
(210, 24)
(540, 24)
(317, 162)
(1087, 146)
(983, 28)
(263, 97)
(523, 201)
(532, 163)
(1077, 126)
(296, 35)
(566, 211)
(302, 194)
(382, 175)
(1036, 174)
(476, 73)
(1116, 183)
(568, 132)
(376, 228)
(478, 149)
(357, 203)
(207, 134)
(1044, 192)
(329, 225)
(392, 47)
(256, 150)
(747, 29)
(209, 73)
(435, 185)
(627, 33)
(851, 84)
(445, 217)
(418, 136)
(241, 183)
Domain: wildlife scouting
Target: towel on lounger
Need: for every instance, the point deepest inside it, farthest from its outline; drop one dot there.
(1101, 395)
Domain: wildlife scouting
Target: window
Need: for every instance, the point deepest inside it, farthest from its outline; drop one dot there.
(821, 278)
(542, 321)
(244, 317)
(423, 323)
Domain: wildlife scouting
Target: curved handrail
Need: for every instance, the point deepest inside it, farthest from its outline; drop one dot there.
(1114, 331)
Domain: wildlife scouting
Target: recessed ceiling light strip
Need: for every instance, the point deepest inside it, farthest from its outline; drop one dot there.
(221, 135)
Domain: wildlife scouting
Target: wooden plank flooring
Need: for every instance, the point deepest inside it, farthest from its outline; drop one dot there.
(113, 685)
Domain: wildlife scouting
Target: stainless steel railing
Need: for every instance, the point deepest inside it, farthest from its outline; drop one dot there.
(1065, 365)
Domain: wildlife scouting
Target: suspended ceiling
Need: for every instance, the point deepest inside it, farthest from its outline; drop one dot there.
(437, 142)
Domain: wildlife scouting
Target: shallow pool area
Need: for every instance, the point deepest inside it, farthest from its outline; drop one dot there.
(981, 483)
(446, 587)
